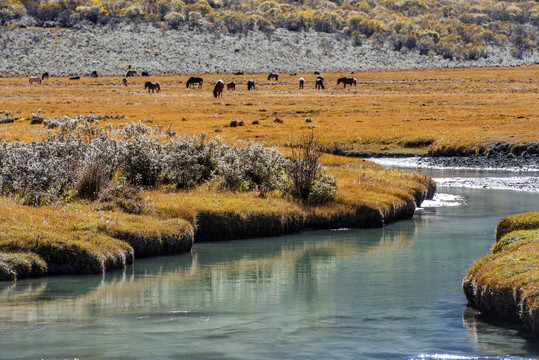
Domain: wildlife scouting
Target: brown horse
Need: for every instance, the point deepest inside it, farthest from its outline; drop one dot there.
(319, 83)
(153, 86)
(218, 89)
(347, 81)
(273, 76)
(231, 86)
(45, 75)
(131, 73)
(124, 81)
(194, 80)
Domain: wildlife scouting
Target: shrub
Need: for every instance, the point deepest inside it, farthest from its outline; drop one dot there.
(307, 181)
(142, 163)
(174, 19)
(134, 12)
(124, 197)
(190, 162)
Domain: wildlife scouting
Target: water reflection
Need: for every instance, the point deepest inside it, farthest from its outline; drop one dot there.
(252, 270)
(491, 334)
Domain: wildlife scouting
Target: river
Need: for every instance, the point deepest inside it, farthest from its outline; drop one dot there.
(387, 293)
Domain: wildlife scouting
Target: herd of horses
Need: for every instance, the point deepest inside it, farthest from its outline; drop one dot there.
(153, 86)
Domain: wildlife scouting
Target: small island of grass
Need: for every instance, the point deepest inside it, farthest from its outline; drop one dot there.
(505, 283)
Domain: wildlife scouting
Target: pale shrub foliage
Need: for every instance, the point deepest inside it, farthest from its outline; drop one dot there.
(90, 162)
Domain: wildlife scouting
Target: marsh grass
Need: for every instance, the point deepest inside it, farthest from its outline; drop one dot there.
(505, 283)
(389, 112)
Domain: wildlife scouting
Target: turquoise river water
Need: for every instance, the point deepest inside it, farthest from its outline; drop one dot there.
(388, 293)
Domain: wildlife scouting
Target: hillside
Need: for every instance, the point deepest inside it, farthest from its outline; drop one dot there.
(172, 36)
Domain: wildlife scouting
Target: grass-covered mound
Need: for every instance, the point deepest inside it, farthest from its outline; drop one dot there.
(505, 283)
(75, 238)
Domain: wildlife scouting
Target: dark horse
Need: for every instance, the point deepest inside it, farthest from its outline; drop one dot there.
(319, 83)
(231, 86)
(347, 81)
(131, 73)
(194, 80)
(45, 75)
(94, 74)
(250, 84)
(218, 89)
(301, 82)
(153, 86)
(274, 76)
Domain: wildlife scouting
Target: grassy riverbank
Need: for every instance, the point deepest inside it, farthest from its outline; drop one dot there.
(88, 216)
(505, 283)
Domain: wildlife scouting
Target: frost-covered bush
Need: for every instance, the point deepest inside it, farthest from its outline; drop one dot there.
(91, 162)
(190, 161)
(251, 167)
(142, 161)
(39, 171)
(324, 190)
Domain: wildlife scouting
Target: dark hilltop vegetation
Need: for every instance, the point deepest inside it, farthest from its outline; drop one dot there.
(172, 36)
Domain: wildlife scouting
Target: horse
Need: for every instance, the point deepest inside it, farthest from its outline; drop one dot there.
(251, 85)
(34, 79)
(319, 83)
(218, 89)
(74, 78)
(145, 73)
(124, 81)
(238, 73)
(274, 76)
(45, 75)
(194, 80)
(231, 86)
(301, 83)
(94, 74)
(131, 73)
(347, 81)
(153, 86)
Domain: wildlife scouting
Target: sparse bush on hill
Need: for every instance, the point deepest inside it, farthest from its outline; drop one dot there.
(403, 23)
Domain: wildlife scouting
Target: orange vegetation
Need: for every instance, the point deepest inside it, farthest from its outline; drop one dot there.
(388, 111)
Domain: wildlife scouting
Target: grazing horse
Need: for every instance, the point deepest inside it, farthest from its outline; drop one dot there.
(145, 73)
(94, 74)
(347, 81)
(301, 82)
(131, 73)
(34, 79)
(218, 89)
(231, 86)
(274, 76)
(45, 75)
(319, 83)
(153, 86)
(251, 85)
(74, 78)
(124, 81)
(194, 80)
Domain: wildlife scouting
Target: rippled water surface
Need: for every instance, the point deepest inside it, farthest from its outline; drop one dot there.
(391, 293)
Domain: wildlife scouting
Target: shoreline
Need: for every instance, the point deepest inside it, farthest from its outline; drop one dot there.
(500, 286)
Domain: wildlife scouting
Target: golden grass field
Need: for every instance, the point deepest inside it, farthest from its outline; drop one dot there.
(452, 107)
